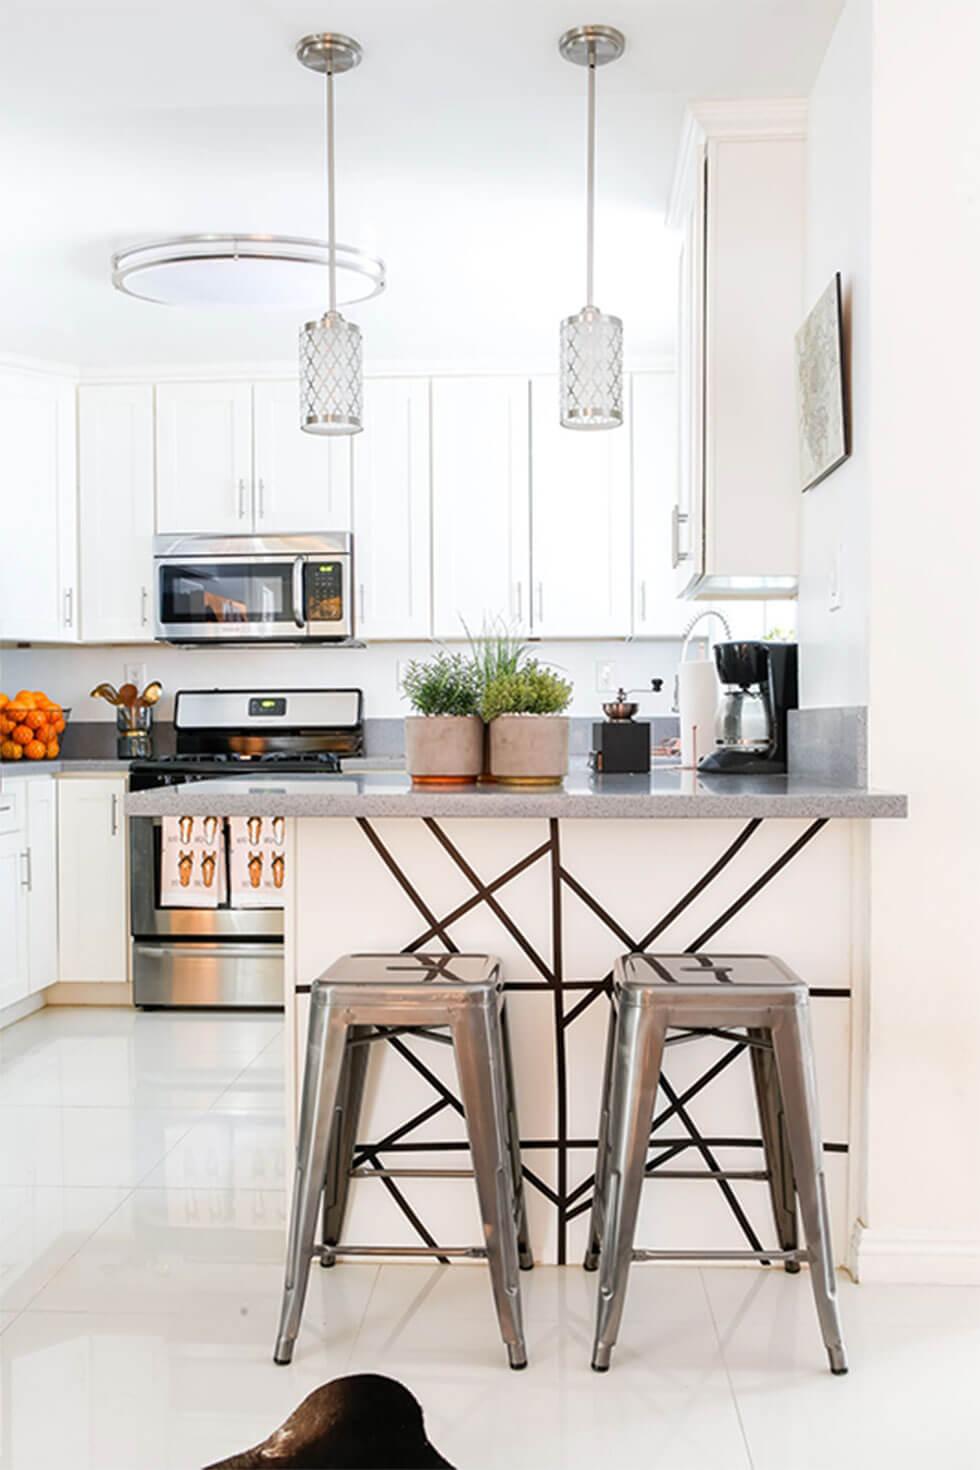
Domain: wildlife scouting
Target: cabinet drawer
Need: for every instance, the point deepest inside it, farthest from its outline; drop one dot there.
(11, 807)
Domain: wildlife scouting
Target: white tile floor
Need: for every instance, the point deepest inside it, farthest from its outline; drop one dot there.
(141, 1233)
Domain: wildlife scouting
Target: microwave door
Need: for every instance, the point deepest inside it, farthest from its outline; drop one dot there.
(202, 599)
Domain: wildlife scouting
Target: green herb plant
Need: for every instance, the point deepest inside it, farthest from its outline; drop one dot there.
(446, 684)
(496, 651)
(528, 690)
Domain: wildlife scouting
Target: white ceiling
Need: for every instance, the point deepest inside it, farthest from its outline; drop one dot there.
(460, 160)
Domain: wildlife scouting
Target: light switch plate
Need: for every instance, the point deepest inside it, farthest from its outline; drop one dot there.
(135, 674)
(605, 676)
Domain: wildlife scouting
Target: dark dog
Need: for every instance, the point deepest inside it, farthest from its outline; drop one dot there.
(364, 1422)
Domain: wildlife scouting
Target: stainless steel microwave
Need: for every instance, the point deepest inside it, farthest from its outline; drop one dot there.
(254, 589)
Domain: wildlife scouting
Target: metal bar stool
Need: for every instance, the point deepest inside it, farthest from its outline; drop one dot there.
(710, 993)
(363, 999)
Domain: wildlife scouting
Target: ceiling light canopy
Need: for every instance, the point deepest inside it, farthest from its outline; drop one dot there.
(244, 270)
(591, 377)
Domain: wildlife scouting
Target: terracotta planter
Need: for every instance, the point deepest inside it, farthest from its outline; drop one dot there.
(443, 750)
(529, 750)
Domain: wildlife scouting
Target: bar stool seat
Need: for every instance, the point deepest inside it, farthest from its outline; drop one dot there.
(750, 998)
(367, 998)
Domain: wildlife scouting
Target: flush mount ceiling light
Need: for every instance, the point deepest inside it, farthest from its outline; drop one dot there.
(243, 270)
(330, 367)
(591, 388)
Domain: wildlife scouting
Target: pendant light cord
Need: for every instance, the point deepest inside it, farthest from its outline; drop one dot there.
(331, 220)
(590, 187)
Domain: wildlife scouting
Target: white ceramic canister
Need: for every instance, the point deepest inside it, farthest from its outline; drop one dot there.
(697, 701)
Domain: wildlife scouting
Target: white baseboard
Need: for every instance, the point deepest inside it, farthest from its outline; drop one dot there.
(90, 993)
(914, 1257)
(20, 1009)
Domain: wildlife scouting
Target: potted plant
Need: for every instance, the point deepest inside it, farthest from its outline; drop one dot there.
(524, 709)
(444, 738)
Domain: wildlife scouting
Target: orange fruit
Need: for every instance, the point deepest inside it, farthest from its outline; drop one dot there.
(4, 700)
(59, 724)
(22, 734)
(5, 725)
(53, 747)
(16, 751)
(34, 718)
(44, 733)
(24, 699)
(35, 750)
(7, 748)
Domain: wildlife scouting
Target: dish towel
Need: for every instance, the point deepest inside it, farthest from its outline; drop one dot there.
(192, 863)
(258, 862)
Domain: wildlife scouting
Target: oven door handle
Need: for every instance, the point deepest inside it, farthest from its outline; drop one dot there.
(298, 617)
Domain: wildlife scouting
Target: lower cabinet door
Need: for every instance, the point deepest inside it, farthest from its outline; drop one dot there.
(93, 923)
(42, 874)
(14, 965)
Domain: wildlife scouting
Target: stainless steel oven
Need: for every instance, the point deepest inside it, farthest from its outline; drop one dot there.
(254, 589)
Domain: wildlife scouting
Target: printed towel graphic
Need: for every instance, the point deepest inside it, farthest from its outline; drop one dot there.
(192, 863)
(258, 862)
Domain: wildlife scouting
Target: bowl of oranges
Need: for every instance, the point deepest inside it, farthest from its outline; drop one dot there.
(31, 726)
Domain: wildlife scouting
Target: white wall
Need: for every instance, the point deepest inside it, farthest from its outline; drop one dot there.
(923, 1207)
(835, 515)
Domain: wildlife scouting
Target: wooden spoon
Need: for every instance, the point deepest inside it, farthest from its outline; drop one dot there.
(151, 694)
(108, 692)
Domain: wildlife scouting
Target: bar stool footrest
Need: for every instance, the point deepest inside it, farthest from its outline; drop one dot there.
(471, 1252)
(800, 1255)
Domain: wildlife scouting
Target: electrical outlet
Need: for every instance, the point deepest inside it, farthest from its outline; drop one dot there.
(605, 676)
(135, 674)
(835, 589)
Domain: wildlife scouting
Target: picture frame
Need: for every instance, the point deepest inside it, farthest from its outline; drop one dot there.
(821, 396)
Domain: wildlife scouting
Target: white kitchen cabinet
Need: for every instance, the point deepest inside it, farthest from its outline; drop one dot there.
(580, 525)
(392, 562)
(480, 504)
(93, 924)
(36, 817)
(115, 491)
(739, 199)
(302, 482)
(657, 611)
(15, 968)
(204, 457)
(38, 519)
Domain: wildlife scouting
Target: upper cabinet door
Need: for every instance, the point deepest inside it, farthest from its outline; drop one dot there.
(204, 457)
(580, 543)
(480, 504)
(302, 481)
(657, 612)
(391, 511)
(115, 482)
(38, 519)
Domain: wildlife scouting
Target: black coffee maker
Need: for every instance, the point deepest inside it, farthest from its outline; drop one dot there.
(759, 686)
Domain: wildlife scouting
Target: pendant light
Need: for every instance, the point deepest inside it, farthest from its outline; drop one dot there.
(591, 388)
(330, 369)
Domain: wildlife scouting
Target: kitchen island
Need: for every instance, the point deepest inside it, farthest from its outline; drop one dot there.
(558, 882)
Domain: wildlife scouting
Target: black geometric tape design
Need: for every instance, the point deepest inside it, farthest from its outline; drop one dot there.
(571, 1200)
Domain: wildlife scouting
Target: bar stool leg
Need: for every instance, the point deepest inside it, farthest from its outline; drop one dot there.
(524, 1257)
(779, 1164)
(321, 1083)
(794, 1059)
(479, 1060)
(636, 1073)
(591, 1262)
(343, 1137)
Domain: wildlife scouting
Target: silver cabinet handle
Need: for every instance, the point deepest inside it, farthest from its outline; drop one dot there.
(261, 499)
(114, 817)
(519, 590)
(26, 880)
(360, 601)
(540, 602)
(69, 605)
(678, 518)
(241, 500)
(144, 601)
(643, 601)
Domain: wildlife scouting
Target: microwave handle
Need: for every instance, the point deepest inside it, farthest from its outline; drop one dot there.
(298, 617)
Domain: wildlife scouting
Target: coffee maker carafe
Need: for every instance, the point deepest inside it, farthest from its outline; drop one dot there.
(759, 687)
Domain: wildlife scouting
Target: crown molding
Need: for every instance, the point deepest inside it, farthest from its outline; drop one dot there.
(735, 118)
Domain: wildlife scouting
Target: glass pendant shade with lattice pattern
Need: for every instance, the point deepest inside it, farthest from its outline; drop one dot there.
(330, 376)
(591, 379)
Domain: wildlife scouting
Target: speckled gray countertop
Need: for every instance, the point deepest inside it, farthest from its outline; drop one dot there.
(665, 792)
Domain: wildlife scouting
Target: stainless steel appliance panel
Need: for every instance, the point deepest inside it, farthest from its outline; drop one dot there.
(222, 974)
(149, 918)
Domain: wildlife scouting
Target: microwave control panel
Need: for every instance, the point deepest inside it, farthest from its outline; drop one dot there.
(324, 585)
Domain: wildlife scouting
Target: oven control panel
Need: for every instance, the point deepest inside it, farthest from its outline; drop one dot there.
(267, 708)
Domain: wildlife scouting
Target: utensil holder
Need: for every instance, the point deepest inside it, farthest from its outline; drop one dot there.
(134, 738)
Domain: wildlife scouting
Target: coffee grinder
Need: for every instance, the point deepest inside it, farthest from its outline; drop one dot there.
(620, 744)
(760, 687)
